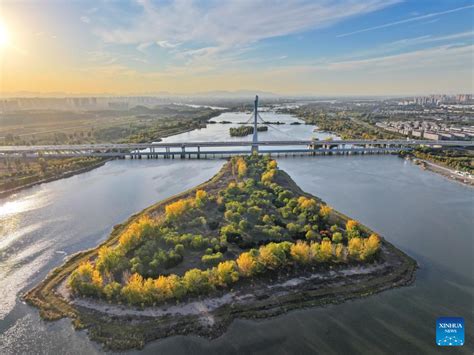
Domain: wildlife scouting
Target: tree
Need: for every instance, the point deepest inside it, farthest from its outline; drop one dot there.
(272, 255)
(300, 252)
(108, 259)
(132, 292)
(355, 248)
(177, 208)
(176, 286)
(247, 264)
(112, 291)
(196, 281)
(132, 236)
(241, 167)
(272, 164)
(293, 228)
(326, 250)
(352, 229)
(163, 289)
(267, 177)
(201, 198)
(86, 280)
(307, 204)
(371, 246)
(325, 211)
(339, 252)
(227, 272)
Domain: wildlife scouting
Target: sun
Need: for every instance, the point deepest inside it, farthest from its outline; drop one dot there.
(4, 36)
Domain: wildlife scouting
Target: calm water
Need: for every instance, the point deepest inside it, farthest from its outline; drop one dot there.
(424, 214)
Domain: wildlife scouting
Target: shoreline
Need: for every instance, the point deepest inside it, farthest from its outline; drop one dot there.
(63, 175)
(440, 170)
(121, 327)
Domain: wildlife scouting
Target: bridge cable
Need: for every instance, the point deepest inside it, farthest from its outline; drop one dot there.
(272, 126)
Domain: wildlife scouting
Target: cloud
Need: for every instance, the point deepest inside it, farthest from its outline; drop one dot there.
(85, 19)
(430, 39)
(403, 44)
(412, 19)
(166, 44)
(441, 58)
(143, 46)
(233, 22)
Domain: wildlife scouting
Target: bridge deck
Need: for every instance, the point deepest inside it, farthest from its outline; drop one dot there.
(154, 146)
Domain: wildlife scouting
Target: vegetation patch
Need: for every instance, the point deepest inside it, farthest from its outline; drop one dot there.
(243, 131)
(248, 243)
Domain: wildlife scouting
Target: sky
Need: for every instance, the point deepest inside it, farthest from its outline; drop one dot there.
(288, 47)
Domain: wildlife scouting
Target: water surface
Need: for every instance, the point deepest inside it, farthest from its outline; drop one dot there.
(424, 214)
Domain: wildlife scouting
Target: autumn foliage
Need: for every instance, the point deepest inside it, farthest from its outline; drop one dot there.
(251, 226)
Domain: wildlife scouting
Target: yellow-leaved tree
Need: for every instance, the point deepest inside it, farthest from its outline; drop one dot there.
(176, 209)
(247, 264)
(300, 252)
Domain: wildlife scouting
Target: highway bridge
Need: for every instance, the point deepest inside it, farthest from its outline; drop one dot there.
(226, 148)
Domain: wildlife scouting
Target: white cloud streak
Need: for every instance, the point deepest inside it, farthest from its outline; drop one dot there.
(412, 19)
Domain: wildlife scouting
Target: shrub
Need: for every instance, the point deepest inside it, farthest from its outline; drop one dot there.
(311, 235)
(199, 242)
(212, 259)
(179, 248)
(337, 237)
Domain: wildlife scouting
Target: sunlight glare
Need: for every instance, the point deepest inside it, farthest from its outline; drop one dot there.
(4, 36)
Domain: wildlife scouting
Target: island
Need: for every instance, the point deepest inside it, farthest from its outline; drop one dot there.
(245, 130)
(248, 243)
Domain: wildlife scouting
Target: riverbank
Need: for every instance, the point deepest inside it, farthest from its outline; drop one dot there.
(58, 176)
(124, 327)
(441, 170)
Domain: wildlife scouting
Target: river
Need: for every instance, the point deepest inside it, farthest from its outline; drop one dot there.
(426, 215)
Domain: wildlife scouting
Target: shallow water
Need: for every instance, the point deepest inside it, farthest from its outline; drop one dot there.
(424, 214)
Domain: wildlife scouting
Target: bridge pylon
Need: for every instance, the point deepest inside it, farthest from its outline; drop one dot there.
(255, 131)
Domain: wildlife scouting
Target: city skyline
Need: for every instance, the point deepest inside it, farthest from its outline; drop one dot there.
(184, 47)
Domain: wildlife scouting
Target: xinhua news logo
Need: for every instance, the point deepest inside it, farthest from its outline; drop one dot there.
(450, 331)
